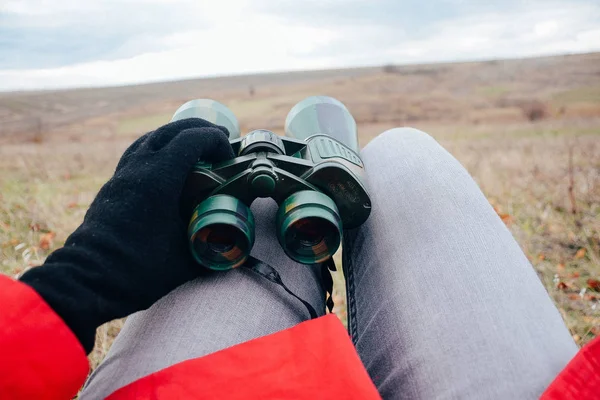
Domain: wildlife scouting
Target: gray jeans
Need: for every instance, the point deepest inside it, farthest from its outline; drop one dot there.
(442, 302)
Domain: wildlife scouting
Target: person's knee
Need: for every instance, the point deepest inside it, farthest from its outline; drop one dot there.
(399, 140)
(402, 145)
(405, 160)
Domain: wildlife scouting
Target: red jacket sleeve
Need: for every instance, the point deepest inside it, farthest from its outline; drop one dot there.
(40, 358)
(581, 377)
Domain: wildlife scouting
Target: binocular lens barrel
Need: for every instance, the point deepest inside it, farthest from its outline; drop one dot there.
(309, 227)
(211, 111)
(221, 232)
(325, 115)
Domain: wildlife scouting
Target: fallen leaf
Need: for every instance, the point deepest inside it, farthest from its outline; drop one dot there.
(580, 253)
(560, 267)
(72, 205)
(594, 284)
(541, 257)
(574, 275)
(573, 296)
(506, 218)
(46, 240)
(14, 242)
(590, 297)
(4, 226)
(562, 286)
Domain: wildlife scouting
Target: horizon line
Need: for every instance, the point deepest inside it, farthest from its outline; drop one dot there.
(294, 71)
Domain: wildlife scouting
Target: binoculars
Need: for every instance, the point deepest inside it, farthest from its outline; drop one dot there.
(314, 174)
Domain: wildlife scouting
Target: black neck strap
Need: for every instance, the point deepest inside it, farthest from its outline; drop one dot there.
(268, 272)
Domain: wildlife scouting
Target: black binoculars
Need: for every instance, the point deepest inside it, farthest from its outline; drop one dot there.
(315, 175)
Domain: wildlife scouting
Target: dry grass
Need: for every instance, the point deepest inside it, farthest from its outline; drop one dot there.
(477, 111)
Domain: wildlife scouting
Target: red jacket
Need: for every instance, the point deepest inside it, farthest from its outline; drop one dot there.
(40, 358)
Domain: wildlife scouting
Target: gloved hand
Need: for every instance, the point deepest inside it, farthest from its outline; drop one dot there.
(131, 248)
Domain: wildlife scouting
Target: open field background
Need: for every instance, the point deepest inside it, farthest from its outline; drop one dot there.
(527, 130)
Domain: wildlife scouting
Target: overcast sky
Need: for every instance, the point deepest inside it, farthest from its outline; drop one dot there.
(70, 43)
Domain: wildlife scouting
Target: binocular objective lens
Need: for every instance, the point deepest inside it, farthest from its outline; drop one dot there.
(221, 238)
(221, 232)
(309, 227)
(307, 231)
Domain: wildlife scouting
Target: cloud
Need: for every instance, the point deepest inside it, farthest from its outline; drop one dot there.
(552, 29)
(64, 43)
(44, 34)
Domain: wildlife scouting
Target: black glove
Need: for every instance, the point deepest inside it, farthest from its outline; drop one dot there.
(131, 248)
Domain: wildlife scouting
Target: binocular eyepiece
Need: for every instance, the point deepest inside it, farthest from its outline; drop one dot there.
(315, 175)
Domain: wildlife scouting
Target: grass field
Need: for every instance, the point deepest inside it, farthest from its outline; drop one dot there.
(527, 130)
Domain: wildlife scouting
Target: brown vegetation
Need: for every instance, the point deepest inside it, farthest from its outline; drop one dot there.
(534, 110)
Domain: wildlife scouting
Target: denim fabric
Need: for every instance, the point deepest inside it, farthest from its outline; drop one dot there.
(443, 304)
